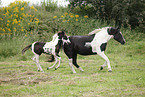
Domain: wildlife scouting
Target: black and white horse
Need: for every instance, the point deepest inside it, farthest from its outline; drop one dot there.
(94, 43)
(52, 47)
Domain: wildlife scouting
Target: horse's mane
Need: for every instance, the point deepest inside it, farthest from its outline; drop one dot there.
(54, 37)
(98, 30)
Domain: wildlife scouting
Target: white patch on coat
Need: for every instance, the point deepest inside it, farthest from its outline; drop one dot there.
(101, 37)
(33, 47)
(66, 41)
(49, 47)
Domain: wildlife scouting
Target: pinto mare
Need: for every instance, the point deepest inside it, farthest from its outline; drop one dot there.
(94, 43)
(52, 47)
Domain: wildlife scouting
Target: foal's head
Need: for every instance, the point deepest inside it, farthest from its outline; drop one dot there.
(63, 37)
(117, 35)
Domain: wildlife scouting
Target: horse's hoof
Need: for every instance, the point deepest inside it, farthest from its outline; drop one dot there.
(48, 68)
(101, 68)
(109, 70)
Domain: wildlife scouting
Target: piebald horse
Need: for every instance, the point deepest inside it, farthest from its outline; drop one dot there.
(53, 47)
(94, 43)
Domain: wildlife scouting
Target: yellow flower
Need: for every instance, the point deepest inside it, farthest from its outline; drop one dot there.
(15, 21)
(22, 8)
(86, 16)
(36, 19)
(36, 22)
(71, 16)
(14, 29)
(62, 16)
(65, 13)
(16, 15)
(8, 21)
(16, 9)
(64, 21)
(31, 32)
(76, 19)
(76, 16)
(1, 19)
(4, 30)
(9, 30)
(55, 17)
(25, 35)
(23, 14)
(22, 30)
(32, 7)
(7, 24)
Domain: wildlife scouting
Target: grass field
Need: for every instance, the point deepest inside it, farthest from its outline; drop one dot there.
(19, 76)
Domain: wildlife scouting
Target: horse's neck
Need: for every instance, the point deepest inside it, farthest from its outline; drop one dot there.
(55, 41)
(102, 37)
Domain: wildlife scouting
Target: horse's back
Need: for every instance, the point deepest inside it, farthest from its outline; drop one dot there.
(78, 45)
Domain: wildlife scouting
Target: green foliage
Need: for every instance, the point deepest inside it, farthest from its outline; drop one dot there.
(126, 13)
(49, 5)
(17, 19)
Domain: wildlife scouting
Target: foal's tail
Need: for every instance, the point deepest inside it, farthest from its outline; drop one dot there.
(26, 48)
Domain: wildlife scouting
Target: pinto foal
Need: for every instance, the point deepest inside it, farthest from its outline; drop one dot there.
(95, 43)
(53, 47)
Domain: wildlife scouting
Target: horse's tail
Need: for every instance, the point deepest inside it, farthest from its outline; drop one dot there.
(26, 48)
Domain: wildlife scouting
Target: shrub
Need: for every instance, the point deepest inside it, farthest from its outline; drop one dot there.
(17, 19)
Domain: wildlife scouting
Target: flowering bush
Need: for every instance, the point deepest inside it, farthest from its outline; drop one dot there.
(70, 22)
(16, 20)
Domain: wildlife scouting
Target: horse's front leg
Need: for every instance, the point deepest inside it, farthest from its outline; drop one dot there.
(54, 63)
(71, 65)
(58, 63)
(107, 61)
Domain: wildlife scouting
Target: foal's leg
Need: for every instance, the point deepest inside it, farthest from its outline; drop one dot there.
(34, 59)
(106, 59)
(54, 63)
(58, 63)
(37, 63)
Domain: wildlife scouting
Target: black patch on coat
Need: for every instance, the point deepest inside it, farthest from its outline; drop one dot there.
(103, 46)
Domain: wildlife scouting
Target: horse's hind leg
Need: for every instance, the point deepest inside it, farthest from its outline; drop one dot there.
(34, 59)
(37, 63)
(102, 66)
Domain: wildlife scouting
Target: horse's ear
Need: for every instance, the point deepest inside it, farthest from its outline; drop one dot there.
(109, 30)
(63, 32)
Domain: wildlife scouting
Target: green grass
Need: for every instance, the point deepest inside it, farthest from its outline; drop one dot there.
(19, 76)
